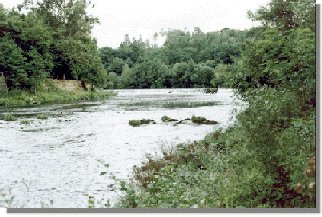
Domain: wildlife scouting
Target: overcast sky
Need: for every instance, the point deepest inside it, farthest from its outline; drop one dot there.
(145, 17)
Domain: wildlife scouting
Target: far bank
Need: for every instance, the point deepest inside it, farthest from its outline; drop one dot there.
(53, 91)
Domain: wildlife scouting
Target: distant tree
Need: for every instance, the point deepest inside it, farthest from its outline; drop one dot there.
(116, 66)
(185, 60)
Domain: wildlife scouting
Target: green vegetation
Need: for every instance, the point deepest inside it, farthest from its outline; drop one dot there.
(5, 198)
(26, 98)
(47, 39)
(25, 122)
(8, 117)
(3, 86)
(42, 117)
(187, 59)
(137, 123)
(267, 158)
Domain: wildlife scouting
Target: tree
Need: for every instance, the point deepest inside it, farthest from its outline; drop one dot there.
(72, 47)
(202, 75)
(286, 15)
(12, 63)
(127, 78)
(107, 55)
(182, 74)
(116, 66)
(31, 50)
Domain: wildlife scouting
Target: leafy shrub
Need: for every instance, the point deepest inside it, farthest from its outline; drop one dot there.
(42, 117)
(9, 117)
(25, 122)
(24, 98)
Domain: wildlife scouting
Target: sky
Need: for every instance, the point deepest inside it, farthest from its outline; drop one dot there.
(145, 17)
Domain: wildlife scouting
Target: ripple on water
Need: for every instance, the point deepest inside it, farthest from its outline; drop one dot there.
(74, 155)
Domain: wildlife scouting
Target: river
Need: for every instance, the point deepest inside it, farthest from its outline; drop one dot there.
(84, 149)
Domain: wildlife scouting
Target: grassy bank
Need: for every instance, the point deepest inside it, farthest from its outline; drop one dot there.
(266, 159)
(25, 98)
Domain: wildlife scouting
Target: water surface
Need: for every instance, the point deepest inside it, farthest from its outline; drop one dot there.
(84, 149)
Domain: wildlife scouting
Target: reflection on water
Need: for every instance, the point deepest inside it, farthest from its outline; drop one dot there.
(84, 150)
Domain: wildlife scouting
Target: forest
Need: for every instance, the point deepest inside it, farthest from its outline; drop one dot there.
(186, 60)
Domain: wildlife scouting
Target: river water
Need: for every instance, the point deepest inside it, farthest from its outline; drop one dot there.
(84, 149)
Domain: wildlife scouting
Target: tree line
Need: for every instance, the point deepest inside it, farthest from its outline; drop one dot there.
(185, 60)
(52, 39)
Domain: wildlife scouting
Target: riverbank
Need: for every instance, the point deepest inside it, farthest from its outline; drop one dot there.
(264, 160)
(19, 98)
(91, 144)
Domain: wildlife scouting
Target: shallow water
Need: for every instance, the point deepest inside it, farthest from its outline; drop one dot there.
(85, 149)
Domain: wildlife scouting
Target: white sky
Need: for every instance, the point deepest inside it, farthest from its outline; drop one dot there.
(145, 17)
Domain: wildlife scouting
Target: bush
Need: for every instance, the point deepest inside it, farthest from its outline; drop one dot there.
(9, 117)
(25, 122)
(24, 98)
(42, 117)
(265, 160)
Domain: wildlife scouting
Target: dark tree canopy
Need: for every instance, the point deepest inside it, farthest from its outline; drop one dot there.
(48, 38)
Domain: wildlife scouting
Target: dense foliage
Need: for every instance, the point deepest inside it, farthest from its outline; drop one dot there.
(48, 38)
(268, 157)
(187, 59)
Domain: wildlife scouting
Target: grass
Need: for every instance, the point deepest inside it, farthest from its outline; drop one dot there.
(18, 98)
(265, 160)
(25, 122)
(200, 175)
(8, 117)
(217, 172)
(42, 117)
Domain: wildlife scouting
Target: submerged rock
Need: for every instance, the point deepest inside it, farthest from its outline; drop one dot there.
(181, 122)
(137, 123)
(167, 119)
(211, 90)
(202, 120)
(196, 120)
